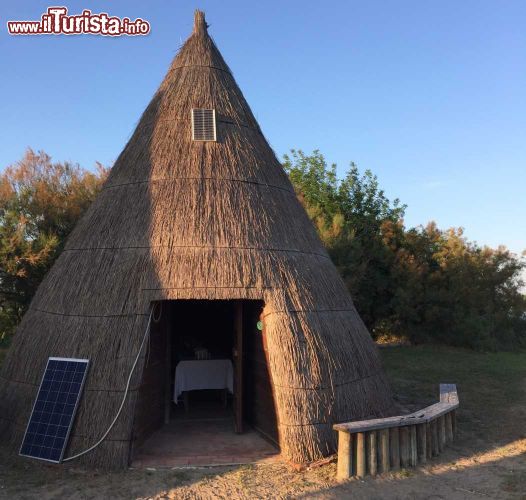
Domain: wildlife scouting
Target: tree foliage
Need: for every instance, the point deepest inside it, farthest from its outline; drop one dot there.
(40, 203)
(423, 283)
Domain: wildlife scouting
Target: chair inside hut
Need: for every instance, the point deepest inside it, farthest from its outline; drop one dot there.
(206, 392)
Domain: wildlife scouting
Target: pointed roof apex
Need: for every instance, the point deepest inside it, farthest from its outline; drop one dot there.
(200, 26)
(199, 49)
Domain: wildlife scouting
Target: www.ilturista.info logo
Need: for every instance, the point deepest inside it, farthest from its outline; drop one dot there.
(57, 22)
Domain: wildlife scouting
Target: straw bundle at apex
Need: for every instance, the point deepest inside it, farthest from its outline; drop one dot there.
(184, 223)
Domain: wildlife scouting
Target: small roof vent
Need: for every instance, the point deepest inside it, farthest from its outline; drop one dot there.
(203, 124)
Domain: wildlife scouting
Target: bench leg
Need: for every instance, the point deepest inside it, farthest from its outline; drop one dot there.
(405, 453)
(441, 432)
(449, 427)
(371, 453)
(344, 470)
(383, 450)
(421, 439)
(434, 437)
(413, 448)
(429, 440)
(360, 455)
(394, 448)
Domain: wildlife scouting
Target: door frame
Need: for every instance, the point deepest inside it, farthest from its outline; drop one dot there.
(238, 311)
(238, 366)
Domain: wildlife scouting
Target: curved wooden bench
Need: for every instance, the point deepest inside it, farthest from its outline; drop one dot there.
(383, 444)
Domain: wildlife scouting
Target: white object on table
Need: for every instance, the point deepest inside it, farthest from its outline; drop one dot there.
(202, 354)
(195, 375)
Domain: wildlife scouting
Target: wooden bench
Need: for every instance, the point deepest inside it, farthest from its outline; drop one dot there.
(383, 444)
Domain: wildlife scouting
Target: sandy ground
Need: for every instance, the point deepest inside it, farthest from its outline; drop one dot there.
(487, 460)
(496, 473)
(487, 470)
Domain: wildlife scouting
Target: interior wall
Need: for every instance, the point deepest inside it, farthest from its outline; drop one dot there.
(201, 323)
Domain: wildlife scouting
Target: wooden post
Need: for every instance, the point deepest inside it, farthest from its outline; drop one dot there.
(394, 445)
(238, 366)
(434, 437)
(360, 455)
(449, 427)
(404, 447)
(383, 450)
(441, 432)
(412, 446)
(168, 373)
(421, 443)
(344, 470)
(412, 439)
(371, 453)
(429, 440)
(448, 393)
(454, 422)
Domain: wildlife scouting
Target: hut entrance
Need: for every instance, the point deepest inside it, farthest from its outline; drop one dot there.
(204, 336)
(206, 380)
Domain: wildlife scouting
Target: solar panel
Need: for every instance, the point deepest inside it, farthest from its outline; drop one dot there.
(54, 409)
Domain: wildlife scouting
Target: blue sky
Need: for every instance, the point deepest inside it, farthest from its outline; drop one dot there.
(429, 95)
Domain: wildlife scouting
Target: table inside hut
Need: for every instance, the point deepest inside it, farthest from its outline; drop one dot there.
(195, 375)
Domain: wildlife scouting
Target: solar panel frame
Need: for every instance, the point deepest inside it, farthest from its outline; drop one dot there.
(65, 438)
(204, 125)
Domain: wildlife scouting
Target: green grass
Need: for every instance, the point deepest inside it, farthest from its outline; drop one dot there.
(488, 383)
(2, 355)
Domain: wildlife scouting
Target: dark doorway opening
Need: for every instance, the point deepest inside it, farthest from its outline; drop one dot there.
(203, 336)
(206, 384)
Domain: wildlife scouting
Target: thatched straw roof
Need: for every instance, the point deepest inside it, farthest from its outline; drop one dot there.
(212, 220)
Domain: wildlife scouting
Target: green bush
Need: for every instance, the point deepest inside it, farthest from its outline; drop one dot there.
(423, 284)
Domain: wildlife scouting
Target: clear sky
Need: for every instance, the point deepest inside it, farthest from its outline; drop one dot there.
(429, 95)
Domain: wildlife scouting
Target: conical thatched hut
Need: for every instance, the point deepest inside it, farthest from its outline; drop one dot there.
(188, 223)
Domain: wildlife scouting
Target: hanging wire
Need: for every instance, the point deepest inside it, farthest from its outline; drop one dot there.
(105, 435)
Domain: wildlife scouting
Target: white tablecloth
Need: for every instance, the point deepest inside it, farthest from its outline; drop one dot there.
(203, 374)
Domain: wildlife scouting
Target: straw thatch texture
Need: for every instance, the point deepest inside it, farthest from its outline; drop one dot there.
(179, 219)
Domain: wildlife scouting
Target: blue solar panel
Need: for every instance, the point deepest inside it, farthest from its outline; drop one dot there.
(54, 409)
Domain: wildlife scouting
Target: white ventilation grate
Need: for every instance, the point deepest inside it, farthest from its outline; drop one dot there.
(203, 124)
